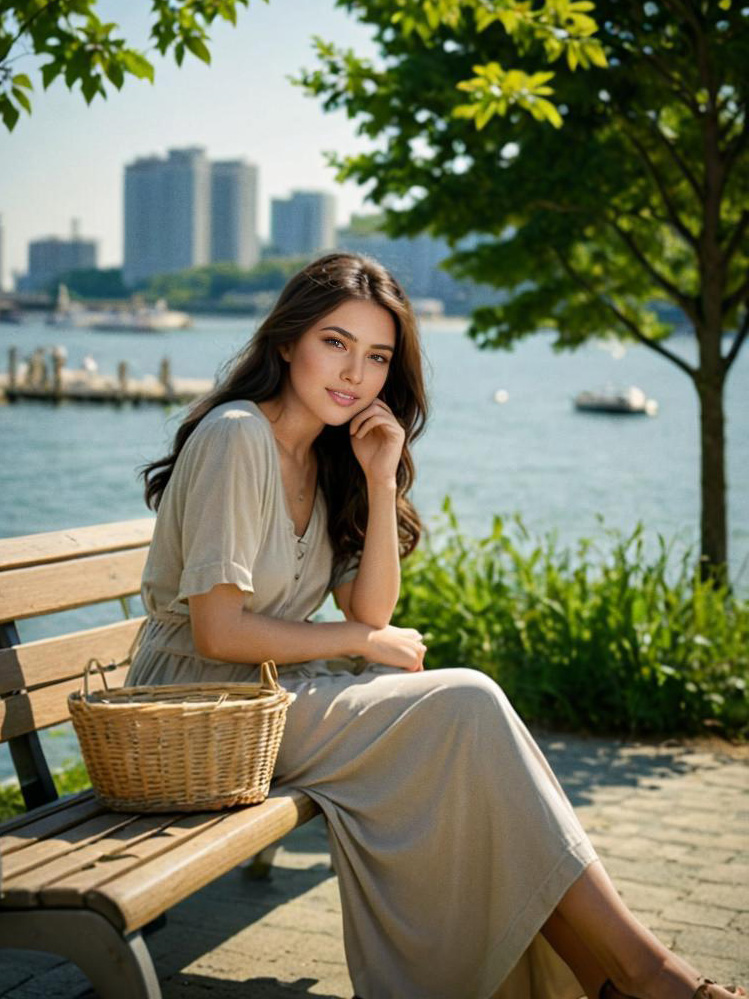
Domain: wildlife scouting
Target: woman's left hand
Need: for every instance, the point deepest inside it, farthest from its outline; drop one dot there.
(377, 440)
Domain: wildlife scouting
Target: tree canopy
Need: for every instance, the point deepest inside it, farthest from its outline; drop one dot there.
(89, 53)
(639, 196)
(593, 197)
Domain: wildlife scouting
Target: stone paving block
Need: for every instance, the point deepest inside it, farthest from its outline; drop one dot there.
(733, 874)
(715, 942)
(646, 896)
(728, 972)
(699, 914)
(700, 838)
(725, 895)
(740, 923)
(656, 872)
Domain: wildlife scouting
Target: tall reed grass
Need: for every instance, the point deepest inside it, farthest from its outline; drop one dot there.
(599, 640)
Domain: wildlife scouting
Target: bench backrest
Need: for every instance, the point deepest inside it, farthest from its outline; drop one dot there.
(57, 571)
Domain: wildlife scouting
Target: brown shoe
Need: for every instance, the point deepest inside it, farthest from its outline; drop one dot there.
(704, 991)
(609, 991)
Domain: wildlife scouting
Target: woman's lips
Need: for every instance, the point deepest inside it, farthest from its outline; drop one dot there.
(342, 398)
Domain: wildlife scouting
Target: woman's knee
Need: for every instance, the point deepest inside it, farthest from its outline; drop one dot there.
(473, 690)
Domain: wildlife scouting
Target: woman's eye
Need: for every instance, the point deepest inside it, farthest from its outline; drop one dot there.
(380, 358)
(333, 339)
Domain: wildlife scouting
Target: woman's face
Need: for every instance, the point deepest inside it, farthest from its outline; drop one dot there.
(339, 366)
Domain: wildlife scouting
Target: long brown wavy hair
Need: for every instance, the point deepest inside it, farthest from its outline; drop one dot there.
(258, 372)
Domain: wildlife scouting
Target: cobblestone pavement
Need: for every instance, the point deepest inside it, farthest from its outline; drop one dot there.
(670, 821)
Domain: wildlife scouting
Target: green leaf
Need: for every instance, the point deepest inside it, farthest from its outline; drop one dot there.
(137, 65)
(22, 98)
(50, 70)
(21, 80)
(198, 48)
(9, 112)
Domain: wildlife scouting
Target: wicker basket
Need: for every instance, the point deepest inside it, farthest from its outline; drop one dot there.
(182, 747)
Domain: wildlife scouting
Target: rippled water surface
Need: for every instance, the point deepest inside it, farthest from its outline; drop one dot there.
(535, 455)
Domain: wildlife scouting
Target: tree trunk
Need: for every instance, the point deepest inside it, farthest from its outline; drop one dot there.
(714, 540)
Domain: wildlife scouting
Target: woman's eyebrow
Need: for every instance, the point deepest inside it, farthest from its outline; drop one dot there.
(343, 332)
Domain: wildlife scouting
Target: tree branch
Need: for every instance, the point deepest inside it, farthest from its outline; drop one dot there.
(629, 323)
(736, 297)
(738, 235)
(678, 159)
(25, 26)
(684, 301)
(735, 149)
(737, 342)
(687, 99)
(670, 207)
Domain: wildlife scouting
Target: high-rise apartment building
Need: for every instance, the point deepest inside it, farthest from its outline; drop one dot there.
(53, 257)
(234, 213)
(415, 262)
(2, 255)
(167, 214)
(303, 223)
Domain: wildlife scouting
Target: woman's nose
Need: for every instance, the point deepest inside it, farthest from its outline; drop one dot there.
(353, 369)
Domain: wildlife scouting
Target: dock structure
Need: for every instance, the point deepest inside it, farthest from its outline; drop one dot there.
(36, 380)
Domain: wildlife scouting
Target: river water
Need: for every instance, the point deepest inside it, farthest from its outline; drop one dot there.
(534, 454)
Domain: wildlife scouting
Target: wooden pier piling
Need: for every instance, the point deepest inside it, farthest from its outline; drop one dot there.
(33, 379)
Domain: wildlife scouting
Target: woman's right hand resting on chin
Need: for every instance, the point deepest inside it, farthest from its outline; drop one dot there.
(394, 646)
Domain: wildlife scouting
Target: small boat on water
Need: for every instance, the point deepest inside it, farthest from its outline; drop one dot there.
(626, 401)
(138, 318)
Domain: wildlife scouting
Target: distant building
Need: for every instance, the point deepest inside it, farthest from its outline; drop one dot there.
(2, 258)
(167, 214)
(184, 211)
(415, 262)
(52, 257)
(234, 236)
(303, 224)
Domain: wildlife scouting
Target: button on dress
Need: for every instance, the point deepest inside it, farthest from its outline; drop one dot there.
(450, 835)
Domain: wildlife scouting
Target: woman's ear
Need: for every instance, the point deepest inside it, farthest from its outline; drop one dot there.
(285, 351)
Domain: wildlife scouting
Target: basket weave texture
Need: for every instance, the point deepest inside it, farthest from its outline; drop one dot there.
(181, 747)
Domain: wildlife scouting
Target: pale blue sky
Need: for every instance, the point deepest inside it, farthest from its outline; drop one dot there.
(66, 160)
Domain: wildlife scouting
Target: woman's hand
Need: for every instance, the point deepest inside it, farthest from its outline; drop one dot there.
(377, 441)
(393, 646)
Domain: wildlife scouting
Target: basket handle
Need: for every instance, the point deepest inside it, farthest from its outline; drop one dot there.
(95, 664)
(269, 676)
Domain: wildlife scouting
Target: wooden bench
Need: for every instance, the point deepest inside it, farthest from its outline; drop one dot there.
(76, 879)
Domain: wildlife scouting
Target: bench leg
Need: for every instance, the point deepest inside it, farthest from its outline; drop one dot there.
(118, 967)
(260, 865)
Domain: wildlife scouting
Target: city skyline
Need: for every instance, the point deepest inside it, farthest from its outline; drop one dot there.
(67, 160)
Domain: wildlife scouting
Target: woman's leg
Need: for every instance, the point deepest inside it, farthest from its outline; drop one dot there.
(573, 951)
(637, 963)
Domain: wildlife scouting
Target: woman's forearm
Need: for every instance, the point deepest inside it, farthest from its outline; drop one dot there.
(244, 637)
(377, 585)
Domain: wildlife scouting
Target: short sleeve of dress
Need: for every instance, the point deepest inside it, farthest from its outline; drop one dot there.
(345, 572)
(223, 476)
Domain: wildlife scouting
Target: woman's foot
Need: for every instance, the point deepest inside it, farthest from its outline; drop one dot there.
(675, 979)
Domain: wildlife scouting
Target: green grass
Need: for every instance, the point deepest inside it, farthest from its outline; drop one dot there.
(72, 777)
(605, 641)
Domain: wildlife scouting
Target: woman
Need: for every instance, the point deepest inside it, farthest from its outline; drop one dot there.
(464, 873)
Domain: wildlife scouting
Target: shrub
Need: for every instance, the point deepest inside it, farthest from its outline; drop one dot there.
(601, 642)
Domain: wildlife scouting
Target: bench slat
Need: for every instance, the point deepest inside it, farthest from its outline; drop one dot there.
(50, 820)
(71, 889)
(61, 586)
(137, 897)
(53, 546)
(27, 887)
(46, 706)
(23, 870)
(50, 660)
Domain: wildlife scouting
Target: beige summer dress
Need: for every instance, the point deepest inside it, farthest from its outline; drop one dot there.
(450, 835)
